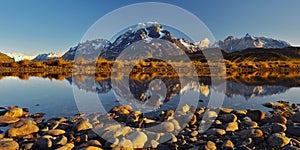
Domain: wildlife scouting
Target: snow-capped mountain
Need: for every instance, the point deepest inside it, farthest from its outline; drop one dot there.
(90, 48)
(19, 56)
(232, 43)
(47, 56)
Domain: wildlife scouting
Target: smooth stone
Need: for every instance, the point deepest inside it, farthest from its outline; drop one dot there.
(212, 114)
(94, 143)
(68, 146)
(56, 132)
(228, 118)
(290, 148)
(122, 131)
(250, 124)
(15, 112)
(186, 108)
(232, 126)
(277, 127)
(91, 148)
(278, 119)
(22, 128)
(28, 146)
(8, 120)
(216, 132)
(278, 140)
(138, 139)
(240, 112)
(61, 140)
(38, 115)
(166, 127)
(210, 146)
(125, 144)
(8, 145)
(294, 129)
(225, 110)
(256, 115)
(227, 145)
(176, 124)
(251, 133)
(194, 133)
(44, 143)
(296, 117)
(154, 144)
(123, 110)
(269, 105)
(82, 126)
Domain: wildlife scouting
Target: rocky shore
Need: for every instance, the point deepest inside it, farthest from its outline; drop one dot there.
(232, 129)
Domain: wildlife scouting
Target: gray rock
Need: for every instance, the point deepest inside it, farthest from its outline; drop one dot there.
(296, 117)
(251, 133)
(228, 118)
(215, 131)
(256, 115)
(277, 127)
(138, 139)
(294, 129)
(61, 140)
(44, 143)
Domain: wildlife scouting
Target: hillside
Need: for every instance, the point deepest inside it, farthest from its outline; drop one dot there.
(5, 58)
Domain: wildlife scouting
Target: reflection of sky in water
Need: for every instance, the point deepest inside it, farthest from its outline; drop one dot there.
(55, 98)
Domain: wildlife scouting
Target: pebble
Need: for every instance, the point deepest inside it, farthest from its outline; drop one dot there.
(278, 119)
(15, 112)
(251, 133)
(228, 118)
(296, 117)
(22, 128)
(232, 126)
(277, 127)
(256, 115)
(8, 145)
(44, 143)
(61, 140)
(56, 132)
(240, 112)
(186, 108)
(225, 110)
(294, 129)
(194, 133)
(212, 114)
(138, 139)
(216, 132)
(68, 146)
(210, 146)
(227, 145)
(82, 125)
(8, 120)
(278, 140)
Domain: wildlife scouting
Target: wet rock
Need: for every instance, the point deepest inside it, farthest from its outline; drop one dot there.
(269, 105)
(68, 146)
(249, 124)
(22, 128)
(228, 118)
(38, 115)
(169, 114)
(82, 125)
(278, 119)
(251, 133)
(256, 115)
(227, 145)
(8, 120)
(216, 132)
(15, 112)
(138, 139)
(278, 140)
(55, 132)
(44, 143)
(210, 146)
(294, 129)
(232, 126)
(296, 117)
(7, 144)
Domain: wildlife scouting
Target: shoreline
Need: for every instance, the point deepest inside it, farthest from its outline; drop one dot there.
(232, 129)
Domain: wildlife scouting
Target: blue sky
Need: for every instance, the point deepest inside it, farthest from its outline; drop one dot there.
(35, 26)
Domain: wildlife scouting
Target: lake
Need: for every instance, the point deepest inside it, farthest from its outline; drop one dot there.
(59, 98)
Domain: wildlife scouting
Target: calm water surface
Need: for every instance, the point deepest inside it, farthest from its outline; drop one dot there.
(56, 98)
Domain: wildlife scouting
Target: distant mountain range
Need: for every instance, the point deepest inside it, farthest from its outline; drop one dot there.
(233, 48)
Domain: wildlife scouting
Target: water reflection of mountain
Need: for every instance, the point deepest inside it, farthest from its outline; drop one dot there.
(137, 88)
